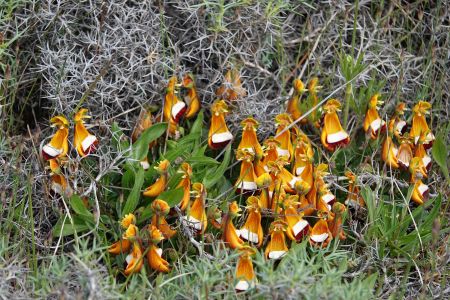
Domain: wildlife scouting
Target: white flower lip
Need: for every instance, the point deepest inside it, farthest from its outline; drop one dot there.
(242, 285)
(193, 222)
(299, 171)
(249, 236)
(88, 141)
(376, 124)
(328, 198)
(51, 151)
(283, 152)
(299, 226)
(337, 137)
(319, 238)
(218, 138)
(247, 185)
(277, 254)
(177, 108)
(423, 188)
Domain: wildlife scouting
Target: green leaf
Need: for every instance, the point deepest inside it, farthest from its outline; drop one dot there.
(172, 197)
(140, 147)
(78, 206)
(64, 227)
(198, 124)
(214, 174)
(133, 198)
(202, 160)
(440, 152)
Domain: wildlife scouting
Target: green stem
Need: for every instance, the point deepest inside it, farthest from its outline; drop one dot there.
(348, 95)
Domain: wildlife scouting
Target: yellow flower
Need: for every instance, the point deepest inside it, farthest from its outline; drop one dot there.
(297, 226)
(270, 151)
(293, 105)
(219, 136)
(196, 216)
(192, 97)
(155, 261)
(161, 209)
(353, 197)
(282, 121)
(249, 139)
(84, 142)
(252, 230)
(127, 220)
(58, 145)
(160, 184)
(389, 153)
(333, 135)
(232, 88)
(230, 234)
(244, 269)
(134, 260)
(419, 124)
(247, 177)
(320, 234)
(277, 248)
(124, 244)
(373, 124)
(174, 109)
(185, 183)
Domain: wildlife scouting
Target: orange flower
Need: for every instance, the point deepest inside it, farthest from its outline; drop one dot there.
(353, 197)
(219, 136)
(335, 223)
(196, 216)
(421, 152)
(58, 145)
(389, 153)
(249, 139)
(252, 230)
(174, 109)
(420, 193)
(230, 234)
(264, 182)
(293, 105)
(397, 125)
(404, 154)
(326, 197)
(277, 248)
(155, 261)
(160, 184)
(283, 136)
(143, 122)
(297, 226)
(373, 124)
(419, 124)
(192, 97)
(333, 135)
(185, 183)
(320, 234)
(84, 142)
(247, 177)
(417, 169)
(232, 88)
(161, 209)
(271, 145)
(244, 269)
(59, 184)
(124, 244)
(134, 260)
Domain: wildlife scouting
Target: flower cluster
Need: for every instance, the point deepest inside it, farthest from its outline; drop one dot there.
(412, 153)
(56, 151)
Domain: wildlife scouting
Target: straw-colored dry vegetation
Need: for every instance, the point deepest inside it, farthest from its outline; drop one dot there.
(115, 59)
